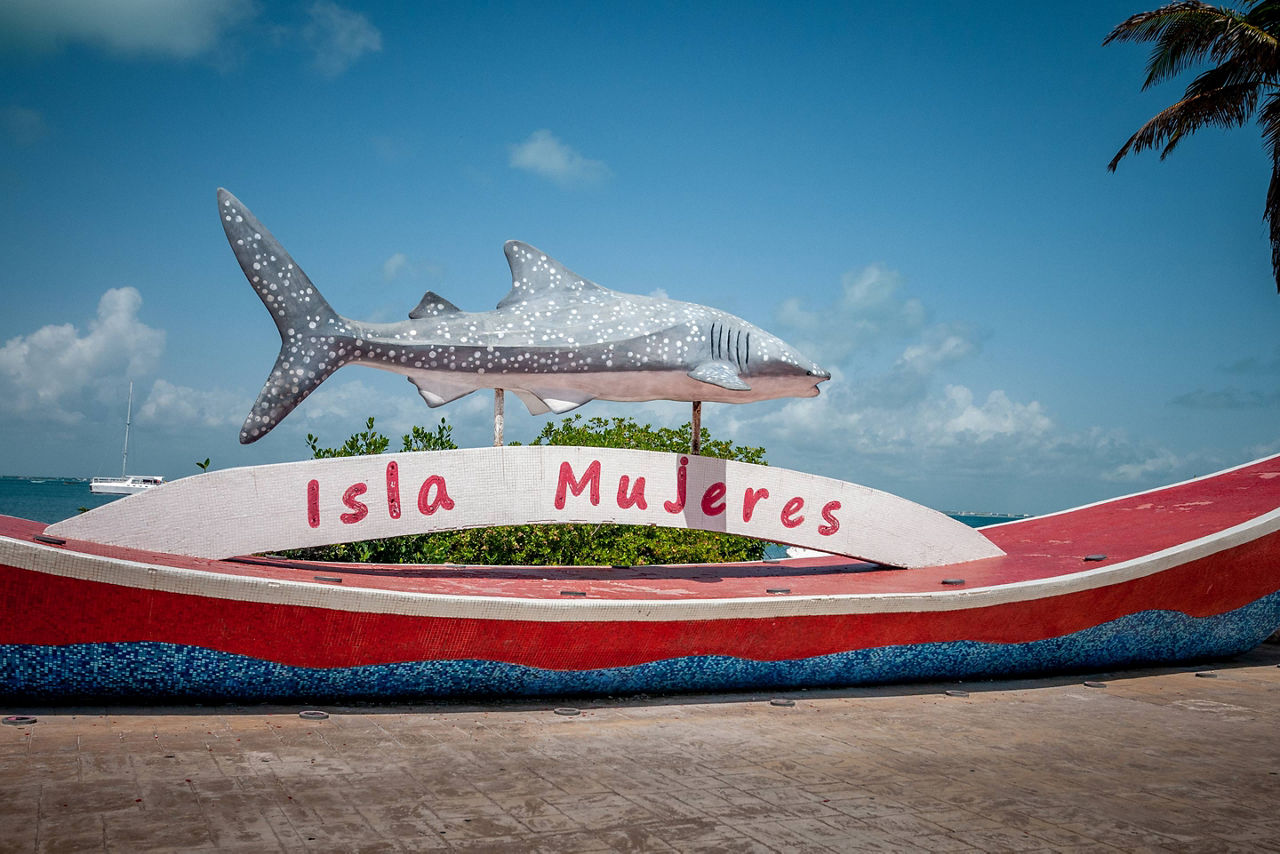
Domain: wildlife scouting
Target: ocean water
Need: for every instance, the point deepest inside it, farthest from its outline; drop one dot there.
(982, 520)
(52, 499)
(47, 499)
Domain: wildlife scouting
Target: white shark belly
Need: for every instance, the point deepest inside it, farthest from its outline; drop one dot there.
(581, 386)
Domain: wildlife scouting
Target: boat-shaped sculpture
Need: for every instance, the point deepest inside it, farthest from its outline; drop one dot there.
(1179, 573)
(174, 593)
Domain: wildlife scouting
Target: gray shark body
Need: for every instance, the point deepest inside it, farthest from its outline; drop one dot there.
(556, 340)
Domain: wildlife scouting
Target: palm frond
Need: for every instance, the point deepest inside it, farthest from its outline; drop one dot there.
(1190, 32)
(1228, 106)
(1245, 45)
(1195, 37)
(1184, 34)
(1255, 37)
(1149, 26)
(1263, 14)
(1230, 72)
(1269, 118)
(1272, 218)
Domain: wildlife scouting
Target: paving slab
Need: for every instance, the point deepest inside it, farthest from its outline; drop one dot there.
(1157, 759)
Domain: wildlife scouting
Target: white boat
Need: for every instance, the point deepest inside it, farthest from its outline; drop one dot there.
(125, 484)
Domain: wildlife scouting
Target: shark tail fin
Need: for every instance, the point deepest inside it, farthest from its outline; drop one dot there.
(312, 334)
(292, 379)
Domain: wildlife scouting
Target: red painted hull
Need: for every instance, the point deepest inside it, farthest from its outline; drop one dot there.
(1189, 570)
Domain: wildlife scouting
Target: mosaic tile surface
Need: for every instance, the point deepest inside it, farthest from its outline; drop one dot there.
(156, 671)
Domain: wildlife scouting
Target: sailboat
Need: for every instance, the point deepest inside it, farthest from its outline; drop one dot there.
(125, 484)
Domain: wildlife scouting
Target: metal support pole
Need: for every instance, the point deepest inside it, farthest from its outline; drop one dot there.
(498, 416)
(695, 434)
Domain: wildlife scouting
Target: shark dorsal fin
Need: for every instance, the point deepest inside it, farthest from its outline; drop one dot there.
(432, 305)
(535, 274)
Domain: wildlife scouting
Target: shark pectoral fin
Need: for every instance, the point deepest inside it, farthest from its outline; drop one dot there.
(559, 400)
(722, 374)
(432, 305)
(532, 402)
(439, 392)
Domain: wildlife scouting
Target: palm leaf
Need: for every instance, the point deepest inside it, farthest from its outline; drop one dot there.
(1190, 32)
(1246, 49)
(1251, 40)
(1270, 121)
(1229, 106)
(1184, 32)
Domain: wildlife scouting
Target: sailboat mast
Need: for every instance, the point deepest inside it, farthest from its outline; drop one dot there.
(128, 417)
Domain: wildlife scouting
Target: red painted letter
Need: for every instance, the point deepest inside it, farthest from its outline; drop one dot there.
(426, 504)
(568, 483)
(713, 499)
(682, 477)
(313, 503)
(359, 508)
(789, 511)
(749, 499)
(393, 489)
(636, 499)
(828, 516)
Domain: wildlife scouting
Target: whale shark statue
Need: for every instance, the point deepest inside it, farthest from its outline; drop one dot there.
(556, 340)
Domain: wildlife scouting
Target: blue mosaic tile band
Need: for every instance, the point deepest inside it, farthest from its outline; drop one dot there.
(158, 671)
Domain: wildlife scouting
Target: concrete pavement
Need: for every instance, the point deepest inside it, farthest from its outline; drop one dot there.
(1150, 760)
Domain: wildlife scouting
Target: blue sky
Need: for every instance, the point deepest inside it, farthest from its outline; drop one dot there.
(914, 195)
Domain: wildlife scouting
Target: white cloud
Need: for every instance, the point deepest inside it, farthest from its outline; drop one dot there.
(335, 37)
(545, 155)
(941, 346)
(338, 37)
(868, 311)
(997, 417)
(395, 265)
(843, 422)
(179, 30)
(177, 406)
(55, 371)
(893, 417)
(950, 447)
(1160, 463)
(346, 402)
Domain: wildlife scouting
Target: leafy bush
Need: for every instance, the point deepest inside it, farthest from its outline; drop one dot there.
(549, 545)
